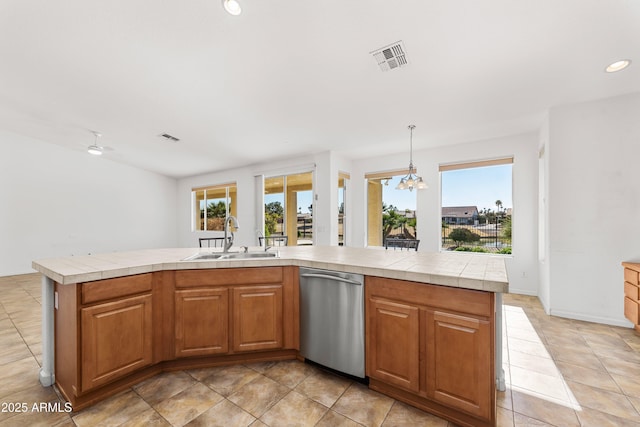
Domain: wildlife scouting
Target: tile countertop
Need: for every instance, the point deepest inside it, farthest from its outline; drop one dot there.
(455, 269)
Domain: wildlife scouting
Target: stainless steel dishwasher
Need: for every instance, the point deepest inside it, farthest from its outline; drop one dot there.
(332, 319)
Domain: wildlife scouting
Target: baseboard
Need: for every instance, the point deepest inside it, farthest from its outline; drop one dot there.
(523, 292)
(594, 319)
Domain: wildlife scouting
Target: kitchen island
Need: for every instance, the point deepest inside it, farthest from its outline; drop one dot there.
(186, 314)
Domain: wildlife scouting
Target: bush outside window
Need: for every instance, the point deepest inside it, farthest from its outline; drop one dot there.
(212, 205)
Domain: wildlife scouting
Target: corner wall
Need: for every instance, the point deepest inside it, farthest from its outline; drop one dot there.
(594, 200)
(60, 202)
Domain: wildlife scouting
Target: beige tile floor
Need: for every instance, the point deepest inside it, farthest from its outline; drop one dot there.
(560, 373)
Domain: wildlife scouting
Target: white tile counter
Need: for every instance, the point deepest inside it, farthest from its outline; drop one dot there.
(455, 269)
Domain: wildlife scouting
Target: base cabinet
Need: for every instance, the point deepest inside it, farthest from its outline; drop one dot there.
(433, 347)
(116, 339)
(257, 318)
(230, 311)
(632, 293)
(396, 323)
(201, 322)
(103, 333)
(458, 362)
(111, 334)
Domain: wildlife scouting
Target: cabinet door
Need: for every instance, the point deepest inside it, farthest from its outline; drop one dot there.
(116, 339)
(202, 322)
(459, 362)
(257, 318)
(393, 343)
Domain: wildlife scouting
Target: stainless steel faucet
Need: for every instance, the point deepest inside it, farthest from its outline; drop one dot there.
(229, 242)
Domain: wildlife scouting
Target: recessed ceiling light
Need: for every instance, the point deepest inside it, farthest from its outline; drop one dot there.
(232, 6)
(618, 66)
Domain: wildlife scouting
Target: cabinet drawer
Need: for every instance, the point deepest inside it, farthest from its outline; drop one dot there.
(115, 288)
(631, 311)
(631, 276)
(228, 276)
(631, 291)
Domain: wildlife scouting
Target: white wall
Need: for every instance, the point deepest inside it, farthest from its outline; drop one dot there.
(544, 287)
(594, 200)
(59, 202)
(523, 265)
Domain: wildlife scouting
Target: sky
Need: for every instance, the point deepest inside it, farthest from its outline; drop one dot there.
(479, 187)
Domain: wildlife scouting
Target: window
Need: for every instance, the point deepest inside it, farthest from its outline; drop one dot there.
(391, 213)
(212, 205)
(343, 180)
(477, 206)
(288, 207)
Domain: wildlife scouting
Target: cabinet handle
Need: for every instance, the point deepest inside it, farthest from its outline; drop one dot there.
(335, 278)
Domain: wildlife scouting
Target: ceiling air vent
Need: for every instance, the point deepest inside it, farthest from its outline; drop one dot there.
(169, 138)
(391, 56)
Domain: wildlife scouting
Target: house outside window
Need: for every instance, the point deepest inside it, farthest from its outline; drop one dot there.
(477, 207)
(467, 215)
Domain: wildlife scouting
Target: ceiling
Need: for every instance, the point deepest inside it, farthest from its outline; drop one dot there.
(289, 78)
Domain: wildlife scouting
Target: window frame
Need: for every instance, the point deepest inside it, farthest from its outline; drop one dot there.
(196, 211)
(447, 167)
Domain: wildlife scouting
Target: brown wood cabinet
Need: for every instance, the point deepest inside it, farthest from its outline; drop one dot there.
(229, 311)
(257, 318)
(632, 293)
(433, 347)
(458, 362)
(102, 332)
(396, 323)
(201, 322)
(116, 339)
(111, 334)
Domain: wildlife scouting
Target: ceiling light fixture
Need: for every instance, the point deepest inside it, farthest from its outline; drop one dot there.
(232, 7)
(411, 180)
(95, 149)
(618, 66)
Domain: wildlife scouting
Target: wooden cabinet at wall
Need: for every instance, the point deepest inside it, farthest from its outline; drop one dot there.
(433, 347)
(632, 293)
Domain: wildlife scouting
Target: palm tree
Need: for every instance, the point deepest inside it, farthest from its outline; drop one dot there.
(391, 219)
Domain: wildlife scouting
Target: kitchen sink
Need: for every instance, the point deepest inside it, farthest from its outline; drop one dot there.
(229, 255)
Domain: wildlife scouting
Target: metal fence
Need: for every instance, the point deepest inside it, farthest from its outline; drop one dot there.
(489, 238)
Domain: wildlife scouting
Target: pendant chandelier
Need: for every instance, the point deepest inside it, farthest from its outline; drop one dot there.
(411, 180)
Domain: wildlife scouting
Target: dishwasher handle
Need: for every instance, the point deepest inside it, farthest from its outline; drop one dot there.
(329, 277)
